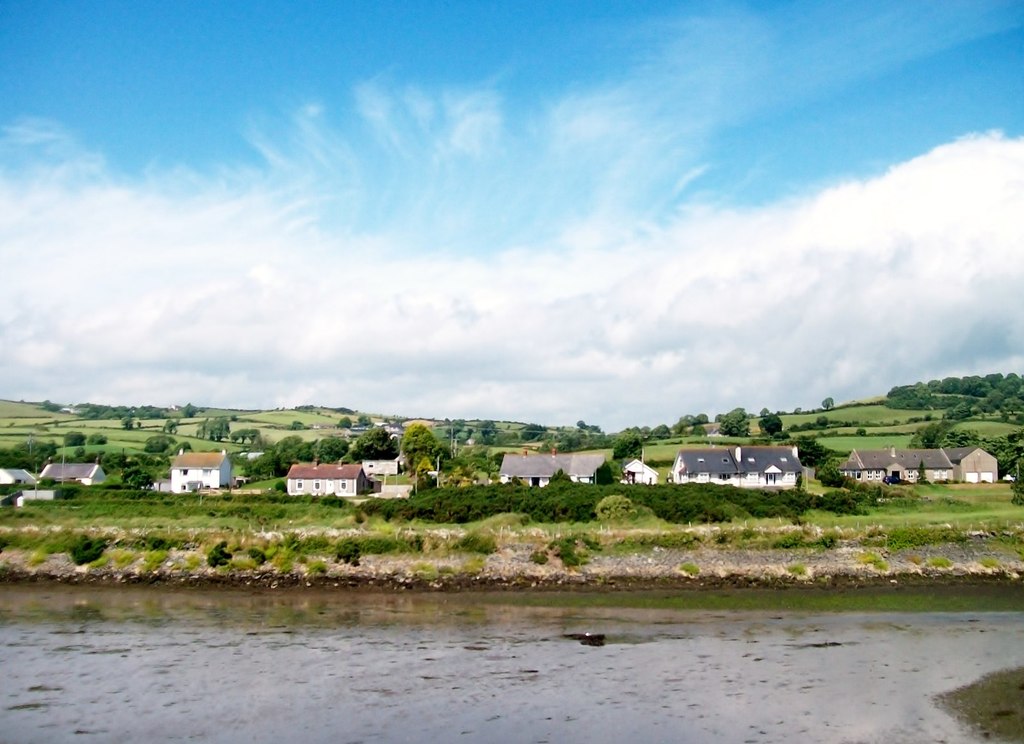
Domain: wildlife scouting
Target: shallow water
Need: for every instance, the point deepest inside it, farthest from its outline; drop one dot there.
(154, 665)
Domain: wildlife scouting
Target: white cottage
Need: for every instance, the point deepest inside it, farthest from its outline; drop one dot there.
(193, 471)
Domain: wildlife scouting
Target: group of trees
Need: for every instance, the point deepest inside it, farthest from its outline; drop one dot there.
(962, 397)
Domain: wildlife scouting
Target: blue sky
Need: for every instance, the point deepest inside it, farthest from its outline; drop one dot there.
(614, 211)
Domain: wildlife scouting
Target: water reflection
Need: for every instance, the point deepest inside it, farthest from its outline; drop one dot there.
(233, 667)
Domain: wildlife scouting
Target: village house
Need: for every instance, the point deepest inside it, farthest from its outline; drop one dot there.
(965, 464)
(86, 473)
(328, 479)
(14, 476)
(194, 471)
(743, 467)
(537, 470)
(636, 471)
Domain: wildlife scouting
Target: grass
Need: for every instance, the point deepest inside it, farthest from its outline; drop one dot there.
(874, 560)
(797, 569)
(690, 569)
(939, 561)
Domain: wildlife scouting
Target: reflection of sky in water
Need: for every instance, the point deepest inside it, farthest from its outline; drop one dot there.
(235, 669)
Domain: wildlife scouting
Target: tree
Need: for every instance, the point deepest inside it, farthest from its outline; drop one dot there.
(488, 431)
(735, 423)
(770, 424)
(532, 432)
(171, 426)
(828, 404)
(331, 449)
(345, 422)
(364, 420)
(96, 439)
(135, 476)
(74, 439)
(128, 423)
(419, 443)
(215, 430)
(627, 446)
(158, 444)
(1017, 487)
(291, 450)
(829, 475)
(376, 444)
(189, 411)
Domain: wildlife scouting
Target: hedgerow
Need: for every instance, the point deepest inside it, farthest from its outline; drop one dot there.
(576, 502)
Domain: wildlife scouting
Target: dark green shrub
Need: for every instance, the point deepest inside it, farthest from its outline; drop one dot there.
(257, 555)
(348, 551)
(828, 541)
(568, 551)
(218, 555)
(86, 549)
(477, 542)
(789, 541)
(540, 557)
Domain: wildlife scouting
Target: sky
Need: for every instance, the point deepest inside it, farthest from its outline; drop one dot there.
(616, 212)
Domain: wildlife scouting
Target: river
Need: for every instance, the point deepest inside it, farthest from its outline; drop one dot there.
(157, 665)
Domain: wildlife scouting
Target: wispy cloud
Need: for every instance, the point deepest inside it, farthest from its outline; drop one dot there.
(131, 290)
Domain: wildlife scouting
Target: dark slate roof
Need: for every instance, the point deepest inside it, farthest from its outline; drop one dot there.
(325, 471)
(545, 466)
(69, 470)
(760, 459)
(716, 460)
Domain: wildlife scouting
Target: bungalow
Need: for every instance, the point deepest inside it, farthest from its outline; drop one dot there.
(537, 470)
(86, 473)
(874, 466)
(636, 471)
(744, 467)
(12, 476)
(192, 471)
(326, 479)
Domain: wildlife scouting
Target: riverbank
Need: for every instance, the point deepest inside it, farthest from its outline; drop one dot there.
(519, 561)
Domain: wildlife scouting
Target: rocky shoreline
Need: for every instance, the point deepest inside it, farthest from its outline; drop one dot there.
(982, 559)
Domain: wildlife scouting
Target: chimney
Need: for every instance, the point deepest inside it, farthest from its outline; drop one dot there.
(892, 452)
(554, 451)
(181, 451)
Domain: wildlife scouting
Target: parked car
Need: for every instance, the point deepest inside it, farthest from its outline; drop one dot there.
(892, 480)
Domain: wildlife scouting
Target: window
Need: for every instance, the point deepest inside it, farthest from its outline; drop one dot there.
(316, 485)
(298, 484)
(344, 485)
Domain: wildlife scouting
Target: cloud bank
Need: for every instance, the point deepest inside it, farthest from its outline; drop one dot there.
(289, 284)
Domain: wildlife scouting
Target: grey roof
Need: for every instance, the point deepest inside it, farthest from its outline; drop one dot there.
(717, 460)
(908, 459)
(545, 466)
(760, 459)
(722, 460)
(957, 454)
(70, 470)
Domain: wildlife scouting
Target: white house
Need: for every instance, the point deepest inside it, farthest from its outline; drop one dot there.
(537, 470)
(192, 471)
(326, 479)
(86, 473)
(636, 471)
(11, 476)
(744, 467)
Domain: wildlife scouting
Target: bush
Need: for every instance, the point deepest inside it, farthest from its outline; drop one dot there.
(218, 555)
(615, 508)
(540, 557)
(86, 549)
(568, 551)
(257, 554)
(789, 541)
(477, 542)
(348, 551)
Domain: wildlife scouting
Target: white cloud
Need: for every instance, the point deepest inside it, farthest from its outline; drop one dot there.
(240, 290)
